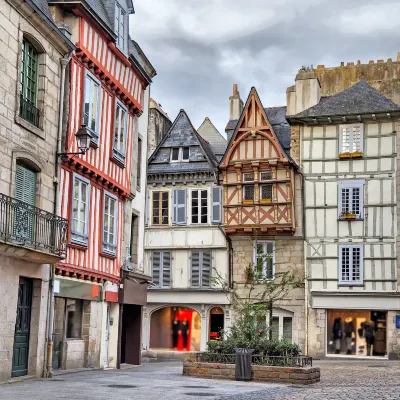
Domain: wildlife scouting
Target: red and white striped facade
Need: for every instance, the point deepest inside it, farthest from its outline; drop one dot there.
(119, 80)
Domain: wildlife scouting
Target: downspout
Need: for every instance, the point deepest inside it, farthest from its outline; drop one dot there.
(57, 211)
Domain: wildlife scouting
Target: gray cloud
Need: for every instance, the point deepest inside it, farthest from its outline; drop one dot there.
(200, 49)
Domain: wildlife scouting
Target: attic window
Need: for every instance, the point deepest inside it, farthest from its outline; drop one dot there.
(179, 154)
(120, 26)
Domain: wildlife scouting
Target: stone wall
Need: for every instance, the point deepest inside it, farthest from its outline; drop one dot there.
(260, 373)
(159, 124)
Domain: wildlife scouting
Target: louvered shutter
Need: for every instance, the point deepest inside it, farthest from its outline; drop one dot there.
(156, 255)
(195, 269)
(180, 206)
(217, 204)
(287, 329)
(146, 209)
(166, 269)
(174, 206)
(206, 269)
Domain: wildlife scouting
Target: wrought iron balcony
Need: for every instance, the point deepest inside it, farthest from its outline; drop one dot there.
(26, 226)
(28, 111)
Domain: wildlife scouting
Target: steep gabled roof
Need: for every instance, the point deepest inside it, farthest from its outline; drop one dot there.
(216, 141)
(182, 134)
(277, 118)
(361, 98)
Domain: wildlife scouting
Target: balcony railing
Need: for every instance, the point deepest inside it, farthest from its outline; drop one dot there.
(28, 111)
(28, 226)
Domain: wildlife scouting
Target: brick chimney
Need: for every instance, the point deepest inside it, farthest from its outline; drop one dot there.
(235, 104)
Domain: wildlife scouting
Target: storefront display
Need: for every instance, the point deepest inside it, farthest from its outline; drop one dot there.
(356, 332)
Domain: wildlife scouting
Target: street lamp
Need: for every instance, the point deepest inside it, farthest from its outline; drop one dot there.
(83, 137)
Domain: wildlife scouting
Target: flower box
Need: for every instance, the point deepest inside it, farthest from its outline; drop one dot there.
(266, 201)
(349, 216)
(355, 154)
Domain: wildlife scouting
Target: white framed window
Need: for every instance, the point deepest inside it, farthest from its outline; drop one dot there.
(248, 193)
(264, 259)
(180, 154)
(248, 177)
(351, 138)
(265, 176)
(351, 199)
(110, 223)
(91, 105)
(351, 264)
(120, 26)
(161, 268)
(200, 271)
(266, 192)
(282, 326)
(80, 210)
(199, 206)
(120, 131)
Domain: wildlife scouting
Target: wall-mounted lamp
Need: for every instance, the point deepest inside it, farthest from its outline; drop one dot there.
(83, 137)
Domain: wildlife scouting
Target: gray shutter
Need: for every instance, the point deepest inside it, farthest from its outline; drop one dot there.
(216, 204)
(146, 210)
(166, 269)
(180, 206)
(174, 205)
(195, 269)
(156, 255)
(25, 185)
(206, 268)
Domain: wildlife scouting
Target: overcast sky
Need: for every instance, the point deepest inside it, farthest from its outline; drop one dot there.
(201, 48)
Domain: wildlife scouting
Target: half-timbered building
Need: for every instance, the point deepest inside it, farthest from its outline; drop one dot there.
(185, 246)
(346, 146)
(105, 91)
(262, 204)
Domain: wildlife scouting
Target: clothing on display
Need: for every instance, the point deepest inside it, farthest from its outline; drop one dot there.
(175, 332)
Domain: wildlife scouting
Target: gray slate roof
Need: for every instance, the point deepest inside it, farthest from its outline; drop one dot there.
(230, 128)
(142, 61)
(182, 134)
(216, 141)
(361, 98)
(98, 7)
(43, 7)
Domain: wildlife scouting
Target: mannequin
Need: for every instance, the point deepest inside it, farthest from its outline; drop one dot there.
(185, 333)
(369, 334)
(176, 326)
(337, 333)
(348, 332)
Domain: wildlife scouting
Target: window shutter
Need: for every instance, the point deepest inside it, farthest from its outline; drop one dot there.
(156, 255)
(217, 204)
(146, 210)
(180, 206)
(206, 268)
(25, 185)
(287, 329)
(195, 269)
(166, 269)
(174, 205)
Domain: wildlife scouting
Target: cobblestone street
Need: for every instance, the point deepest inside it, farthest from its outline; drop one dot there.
(340, 380)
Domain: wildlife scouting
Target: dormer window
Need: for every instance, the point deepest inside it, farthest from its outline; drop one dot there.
(120, 26)
(179, 154)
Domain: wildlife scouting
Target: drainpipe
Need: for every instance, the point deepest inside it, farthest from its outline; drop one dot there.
(57, 211)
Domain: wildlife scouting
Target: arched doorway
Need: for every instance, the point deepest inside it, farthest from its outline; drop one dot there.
(216, 323)
(175, 328)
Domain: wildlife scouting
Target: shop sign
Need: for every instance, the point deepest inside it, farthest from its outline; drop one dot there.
(398, 321)
(75, 289)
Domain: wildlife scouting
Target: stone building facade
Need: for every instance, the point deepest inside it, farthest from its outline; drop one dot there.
(34, 49)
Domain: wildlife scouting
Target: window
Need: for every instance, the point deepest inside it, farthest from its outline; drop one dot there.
(264, 260)
(266, 192)
(91, 107)
(133, 248)
(29, 83)
(161, 265)
(282, 328)
(199, 206)
(200, 276)
(179, 202)
(350, 265)
(73, 318)
(110, 219)
(351, 199)
(248, 177)
(351, 139)
(160, 208)
(120, 132)
(120, 26)
(80, 210)
(265, 176)
(139, 164)
(179, 154)
(248, 193)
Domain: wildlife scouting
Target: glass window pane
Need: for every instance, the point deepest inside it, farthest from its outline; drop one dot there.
(175, 154)
(275, 328)
(287, 329)
(185, 153)
(73, 319)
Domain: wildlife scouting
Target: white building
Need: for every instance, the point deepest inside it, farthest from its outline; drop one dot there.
(185, 246)
(348, 157)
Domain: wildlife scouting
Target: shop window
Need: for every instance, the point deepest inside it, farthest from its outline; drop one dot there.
(350, 265)
(248, 193)
(73, 319)
(80, 210)
(216, 324)
(351, 140)
(199, 206)
(264, 267)
(351, 199)
(110, 223)
(200, 276)
(160, 208)
(357, 332)
(91, 106)
(161, 262)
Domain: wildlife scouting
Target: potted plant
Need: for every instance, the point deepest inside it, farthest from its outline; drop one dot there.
(346, 214)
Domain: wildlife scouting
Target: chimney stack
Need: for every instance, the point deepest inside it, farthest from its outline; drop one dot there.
(235, 104)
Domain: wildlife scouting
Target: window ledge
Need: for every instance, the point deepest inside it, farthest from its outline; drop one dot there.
(356, 154)
(117, 161)
(28, 126)
(108, 255)
(349, 284)
(79, 246)
(350, 219)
